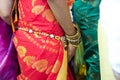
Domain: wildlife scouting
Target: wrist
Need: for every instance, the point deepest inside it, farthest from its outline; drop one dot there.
(74, 39)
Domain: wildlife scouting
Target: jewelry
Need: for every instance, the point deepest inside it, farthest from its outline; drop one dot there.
(41, 33)
(74, 39)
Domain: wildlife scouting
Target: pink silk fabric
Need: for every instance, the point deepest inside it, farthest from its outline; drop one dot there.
(40, 57)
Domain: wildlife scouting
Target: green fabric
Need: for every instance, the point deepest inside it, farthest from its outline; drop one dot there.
(79, 63)
(86, 15)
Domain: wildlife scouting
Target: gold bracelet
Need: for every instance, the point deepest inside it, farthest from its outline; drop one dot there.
(74, 39)
(76, 35)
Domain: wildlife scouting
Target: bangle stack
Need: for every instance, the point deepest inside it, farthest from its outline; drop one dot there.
(74, 39)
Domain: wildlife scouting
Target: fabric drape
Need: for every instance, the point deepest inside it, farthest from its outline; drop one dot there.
(41, 56)
(9, 67)
(86, 15)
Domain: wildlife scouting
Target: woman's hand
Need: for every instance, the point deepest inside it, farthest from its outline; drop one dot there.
(71, 50)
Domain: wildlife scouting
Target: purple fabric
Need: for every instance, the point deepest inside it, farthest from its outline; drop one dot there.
(8, 58)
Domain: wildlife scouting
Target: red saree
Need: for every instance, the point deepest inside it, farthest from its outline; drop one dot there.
(41, 53)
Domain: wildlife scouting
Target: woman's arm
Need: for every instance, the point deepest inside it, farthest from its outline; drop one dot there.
(5, 8)
(61, 12)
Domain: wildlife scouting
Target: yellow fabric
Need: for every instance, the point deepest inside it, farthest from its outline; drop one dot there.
(62, 75)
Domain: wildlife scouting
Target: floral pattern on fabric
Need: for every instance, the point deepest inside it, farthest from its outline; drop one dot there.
(39, 55)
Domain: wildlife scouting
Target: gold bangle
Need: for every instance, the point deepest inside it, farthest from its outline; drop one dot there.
(76, 35)
(74, 39)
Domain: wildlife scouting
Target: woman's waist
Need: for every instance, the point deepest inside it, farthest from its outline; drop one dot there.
(47, 28)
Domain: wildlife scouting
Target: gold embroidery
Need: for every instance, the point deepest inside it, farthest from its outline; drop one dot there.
(36, 29)
(42, 46)
(15, 41)
(33, 2)
(21, 51)
(40, 65)
(49, 69)
(43, 41)
(52, 43)
(37, 9)
(22, 77)
(56, 67)
(21, 12)
(29, 60)
(25, 23)
(37, 36)
(29, 37)
(47, 41)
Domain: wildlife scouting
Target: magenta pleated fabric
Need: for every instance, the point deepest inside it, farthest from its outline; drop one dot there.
(9, 67)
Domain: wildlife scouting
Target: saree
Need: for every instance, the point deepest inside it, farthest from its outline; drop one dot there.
(86, 15)
(41, 52)
(9, 67)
